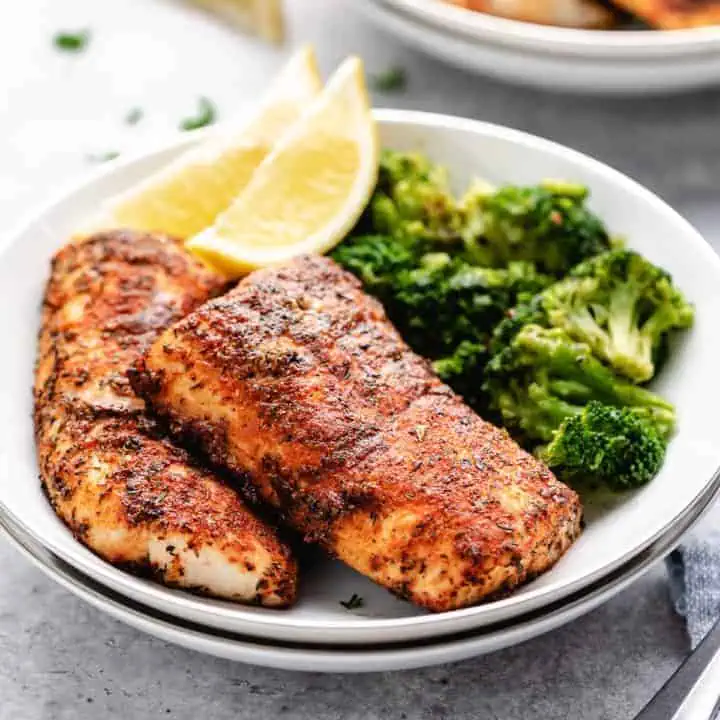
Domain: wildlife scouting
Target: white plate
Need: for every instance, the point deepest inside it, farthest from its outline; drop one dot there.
(468, 148)
(588, 61)
(368, 658)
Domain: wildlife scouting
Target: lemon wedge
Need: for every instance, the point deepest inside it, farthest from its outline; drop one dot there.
(186, 196)
(309, 191)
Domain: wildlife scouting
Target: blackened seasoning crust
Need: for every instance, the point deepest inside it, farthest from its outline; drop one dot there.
(297, 381)
(123, 489)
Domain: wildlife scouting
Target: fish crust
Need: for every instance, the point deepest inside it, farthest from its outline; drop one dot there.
(297, 382)
(122, 488)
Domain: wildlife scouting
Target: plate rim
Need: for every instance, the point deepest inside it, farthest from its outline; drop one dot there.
(146, 619)
(181, 600)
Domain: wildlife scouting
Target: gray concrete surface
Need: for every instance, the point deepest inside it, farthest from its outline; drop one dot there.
(64, 660)
(61, 660)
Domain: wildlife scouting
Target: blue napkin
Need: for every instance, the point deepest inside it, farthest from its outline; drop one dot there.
(694, 570)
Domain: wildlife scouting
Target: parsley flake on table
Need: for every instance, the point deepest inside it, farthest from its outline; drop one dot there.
(205, 115)
(354, 603)
(71, 41)
(392, 80)
(134, 116)
(103, 156)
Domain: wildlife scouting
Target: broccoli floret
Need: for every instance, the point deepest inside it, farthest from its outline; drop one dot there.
(375, 260)
(445, 301)
(462, 369)
(413, 201)
(437, 301)
(607, 446)
(525, 313)
(623, 307)
(549, 225)
(537, 377)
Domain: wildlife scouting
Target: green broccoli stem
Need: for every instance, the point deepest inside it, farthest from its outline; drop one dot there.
(630, 348)
(535, 419)
(571, 390)
(583, 377)
(554, 409)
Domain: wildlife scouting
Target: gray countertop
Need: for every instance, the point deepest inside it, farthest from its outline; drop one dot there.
(62, 659)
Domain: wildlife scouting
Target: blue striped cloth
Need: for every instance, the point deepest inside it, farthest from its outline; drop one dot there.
(694, 571)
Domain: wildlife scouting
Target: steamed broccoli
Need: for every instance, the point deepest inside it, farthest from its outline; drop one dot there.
(412, 201)
(376, 260)
(622, 306)
(549, 225)
(437, 301)
(444, 301)
(462, 369)
(484, 287)
(550, 387)
(538, 377)
(606, 445)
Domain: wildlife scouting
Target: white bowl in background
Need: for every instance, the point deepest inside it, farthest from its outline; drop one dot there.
(614, 534)
(634, 62)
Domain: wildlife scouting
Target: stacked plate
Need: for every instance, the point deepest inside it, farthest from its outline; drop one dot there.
(589, 61)
(623, 536)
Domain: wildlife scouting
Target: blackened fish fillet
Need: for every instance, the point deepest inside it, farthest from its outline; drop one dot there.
(126, 492)
(297, 381)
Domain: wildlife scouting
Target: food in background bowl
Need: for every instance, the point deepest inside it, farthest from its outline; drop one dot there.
(565, 13)
(674, 15)
(589, 14)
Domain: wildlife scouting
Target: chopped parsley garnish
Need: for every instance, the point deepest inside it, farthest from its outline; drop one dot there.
(392, 80)
(103, 157)
(134, 116)
(206, 115)
(72, 41)
(354, 603)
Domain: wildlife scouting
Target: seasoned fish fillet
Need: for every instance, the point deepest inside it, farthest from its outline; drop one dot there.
(126, 492)
(297, 382)
(674, 14)
(566, 13)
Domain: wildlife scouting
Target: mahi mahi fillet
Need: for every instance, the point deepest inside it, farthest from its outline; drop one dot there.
(298, 383)
(125, 491)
